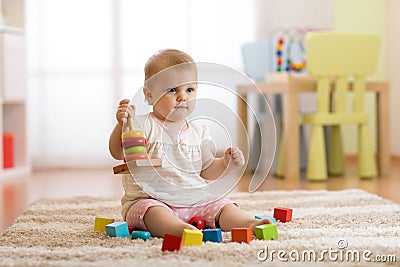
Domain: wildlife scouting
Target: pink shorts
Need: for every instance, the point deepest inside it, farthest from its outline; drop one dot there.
(136, 212)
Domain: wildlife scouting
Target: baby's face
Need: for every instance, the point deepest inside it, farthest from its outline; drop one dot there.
(173, 92)
(176, 103)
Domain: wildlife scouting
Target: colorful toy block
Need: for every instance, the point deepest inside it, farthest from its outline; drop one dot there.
(197, 222)
(140, 235)
(100, 224)
(266, 232)
(260, 217)
(192, 237)
(283, 214)
(171, 243)
(117, 229)
(212, 235)
(241, 235)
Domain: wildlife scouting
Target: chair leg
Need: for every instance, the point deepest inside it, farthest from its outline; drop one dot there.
(255, 148)
(303, 149)
(280, 160)
(366, 159)
(316, 167)
(336, 163)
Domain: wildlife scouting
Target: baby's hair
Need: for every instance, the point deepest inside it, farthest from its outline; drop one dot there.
(164, 59)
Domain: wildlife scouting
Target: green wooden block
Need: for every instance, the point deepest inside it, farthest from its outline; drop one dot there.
(267, 232)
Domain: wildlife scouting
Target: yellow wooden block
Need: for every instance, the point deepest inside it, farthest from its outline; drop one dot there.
(100, 224)
(192, 237)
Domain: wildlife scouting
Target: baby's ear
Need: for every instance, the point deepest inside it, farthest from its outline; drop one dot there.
(148, 95)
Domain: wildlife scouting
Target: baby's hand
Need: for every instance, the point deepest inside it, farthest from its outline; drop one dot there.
(233, 157)
(123, 110)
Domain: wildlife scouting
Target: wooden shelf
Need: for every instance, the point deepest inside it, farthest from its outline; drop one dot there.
(12, 30)
(10, 173)
(13, 93)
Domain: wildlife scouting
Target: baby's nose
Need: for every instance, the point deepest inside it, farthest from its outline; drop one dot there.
(181, 97)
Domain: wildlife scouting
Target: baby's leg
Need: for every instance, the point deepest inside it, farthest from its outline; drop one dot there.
(159, 221)
(231, 216)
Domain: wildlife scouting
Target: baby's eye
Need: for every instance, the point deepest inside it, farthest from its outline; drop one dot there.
(171, 90)
(190, 90)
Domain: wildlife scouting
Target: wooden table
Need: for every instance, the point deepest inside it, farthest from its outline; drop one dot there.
(290, 86)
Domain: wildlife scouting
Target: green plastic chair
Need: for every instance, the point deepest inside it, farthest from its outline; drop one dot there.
(341, 57)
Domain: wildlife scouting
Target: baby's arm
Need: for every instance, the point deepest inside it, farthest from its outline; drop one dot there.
(233, 158)
(114, 143)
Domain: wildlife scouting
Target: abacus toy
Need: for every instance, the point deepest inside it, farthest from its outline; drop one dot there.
(279, 54)
(133, 143)
(286, 40)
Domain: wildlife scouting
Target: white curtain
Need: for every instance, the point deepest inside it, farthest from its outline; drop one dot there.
(85, 55)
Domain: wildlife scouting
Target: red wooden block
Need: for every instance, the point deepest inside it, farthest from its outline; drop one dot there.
(171, 243)
(242, 235)
(283, 214)
(8, 150)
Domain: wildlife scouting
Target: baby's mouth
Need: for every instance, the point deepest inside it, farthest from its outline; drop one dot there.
(181, 105)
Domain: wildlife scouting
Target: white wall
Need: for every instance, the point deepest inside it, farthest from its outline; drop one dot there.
(273, 14)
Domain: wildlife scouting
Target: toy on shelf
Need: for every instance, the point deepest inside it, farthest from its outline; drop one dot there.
(133, 143)
(8, 150)
(279, 54)
(289, 45)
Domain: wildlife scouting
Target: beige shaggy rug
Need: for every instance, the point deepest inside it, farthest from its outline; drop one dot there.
(350, 227)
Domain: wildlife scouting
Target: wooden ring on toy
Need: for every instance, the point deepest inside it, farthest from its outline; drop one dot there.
(136, 157)
(135, 150)
(132, 134)
(138, 141)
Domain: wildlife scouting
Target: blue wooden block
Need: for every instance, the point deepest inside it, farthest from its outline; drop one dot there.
(117, 229)
(213, 235)
(266, 217)
(141, 235)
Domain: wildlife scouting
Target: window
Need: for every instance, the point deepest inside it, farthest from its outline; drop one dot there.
(85, 55)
